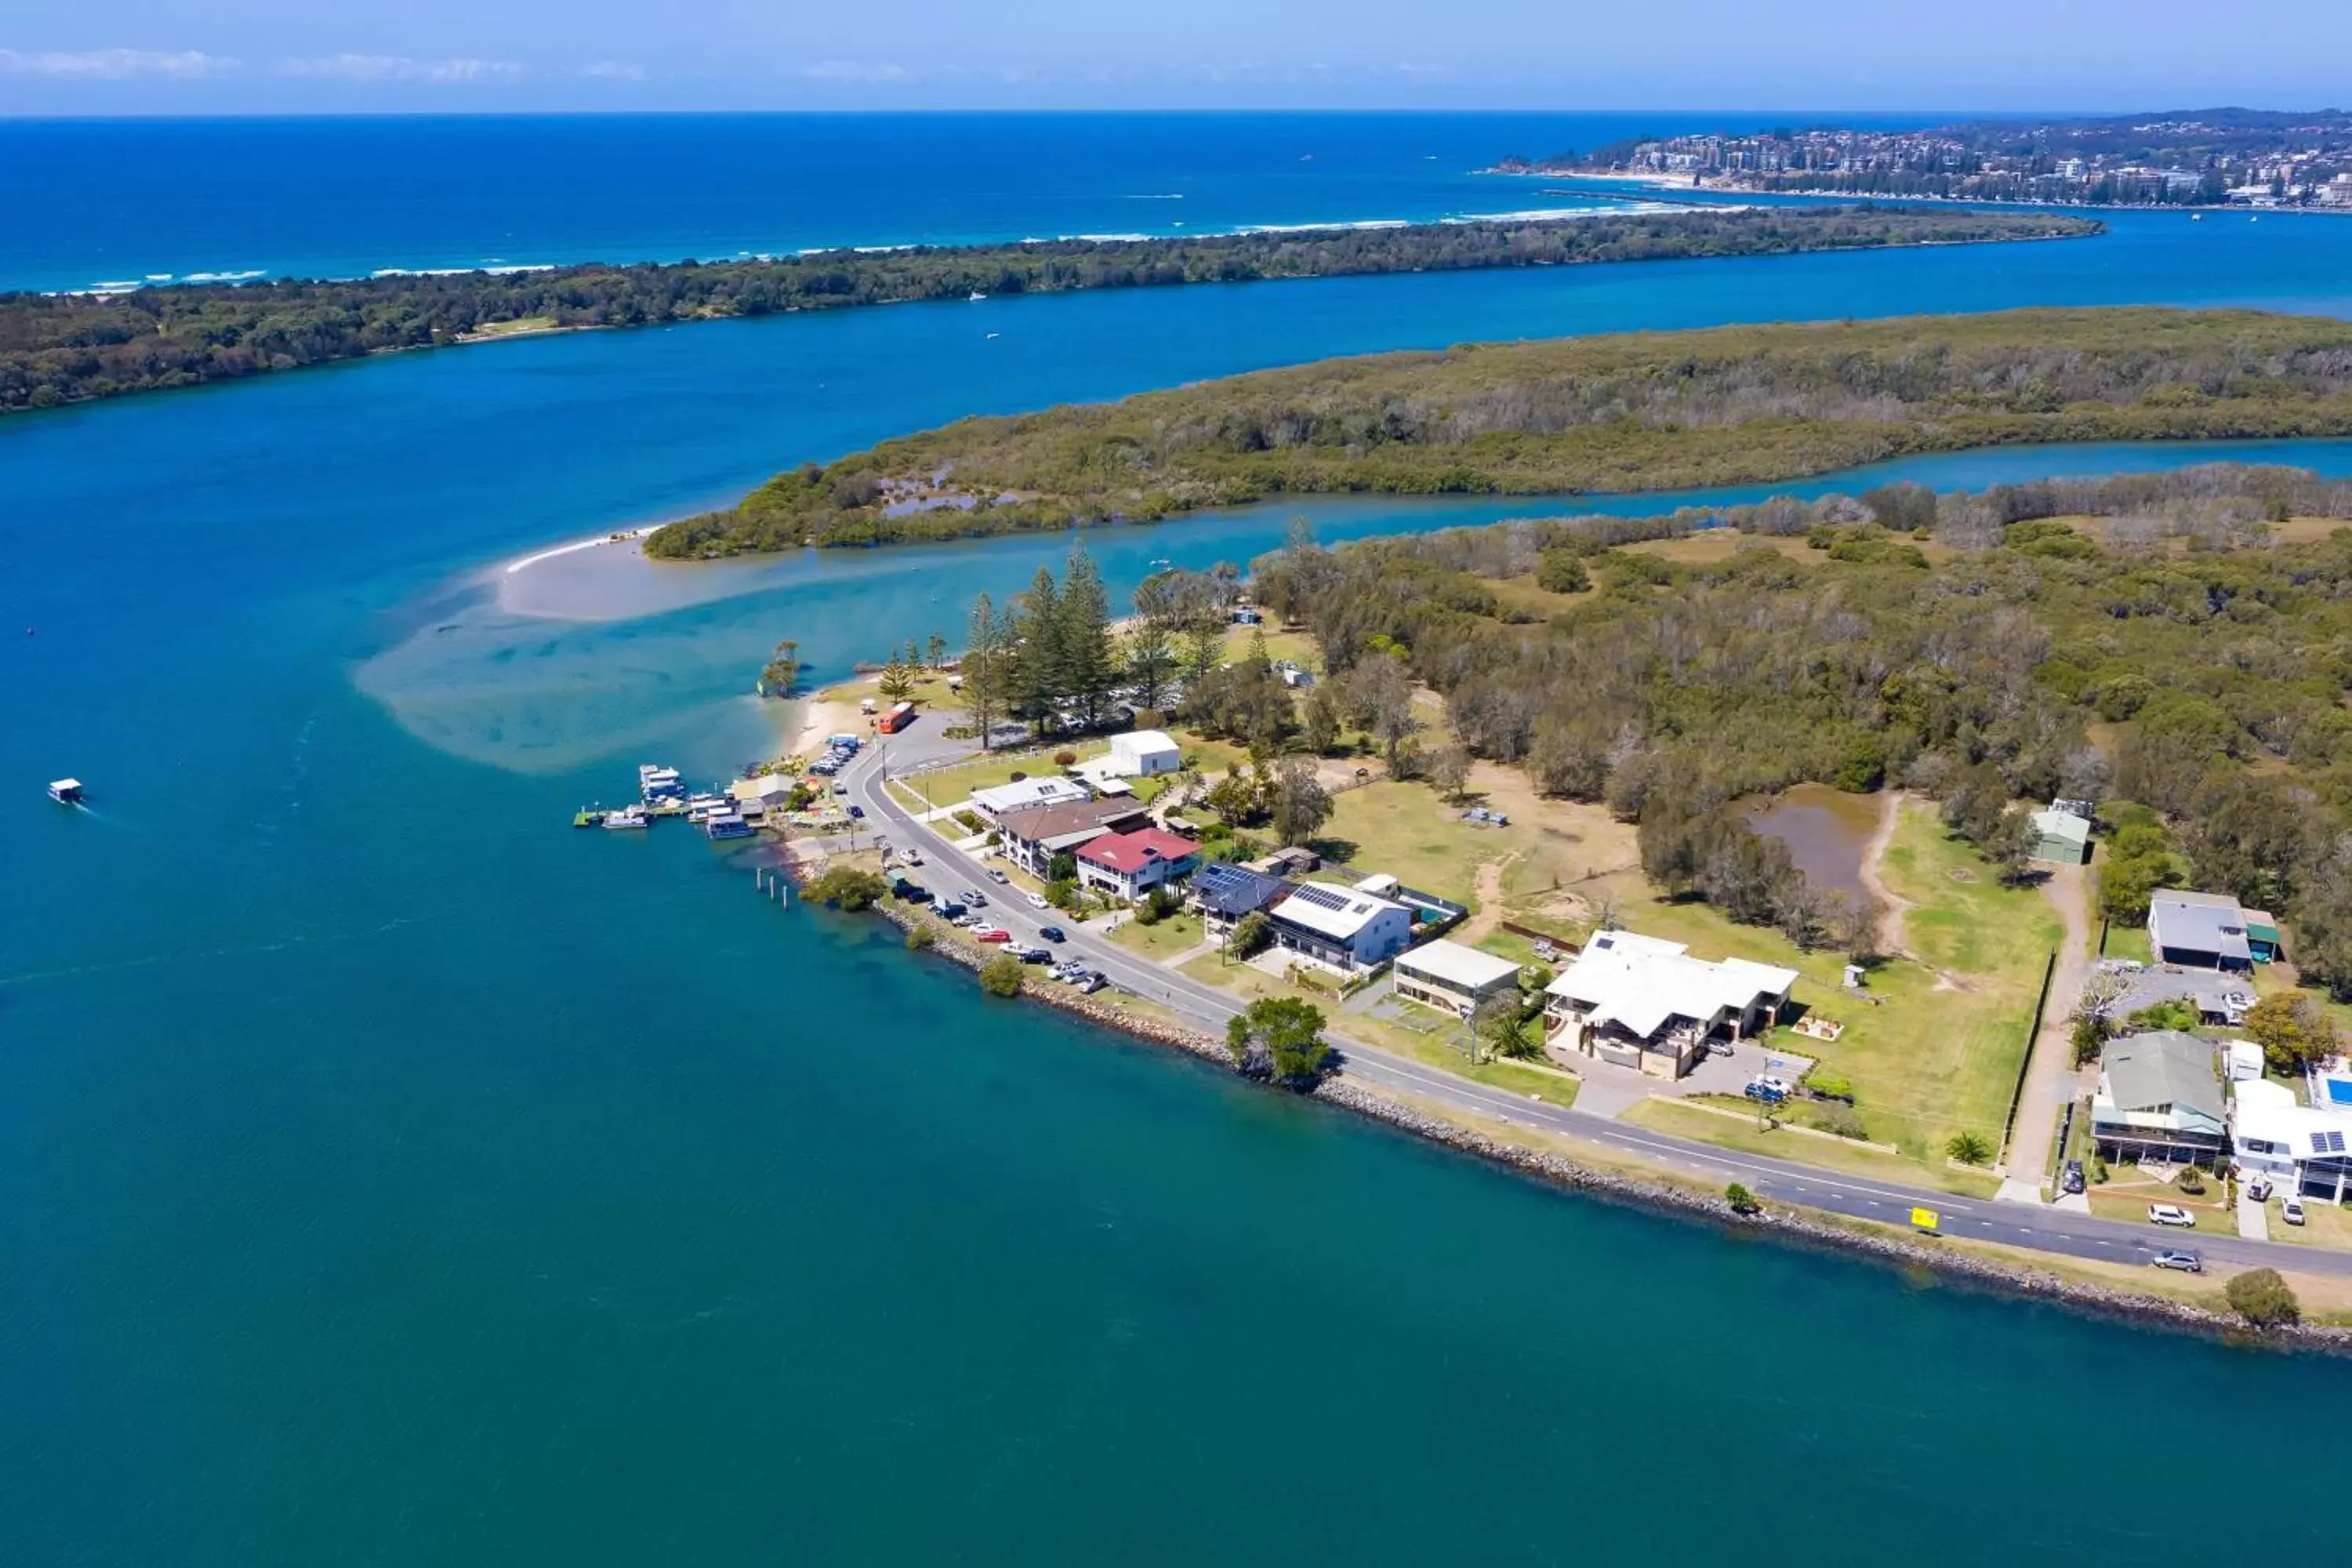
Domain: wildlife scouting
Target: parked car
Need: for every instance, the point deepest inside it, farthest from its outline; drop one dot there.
(912, 858)
(996, 876)
(1094, 983)
(2290, 1209)
(919, 894)
(1053, 933)
(2179, 1258)
(975, 898)
(1037, 901)
(1764, 1092)
(2069, 1179)
(2259, 1189)
(1031, 954)
(2172, 1214)
(1780, 1087)
(994, 933)
(949, 911)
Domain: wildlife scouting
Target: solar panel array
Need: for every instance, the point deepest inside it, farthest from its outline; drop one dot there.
(2328, 1143)
(1320, 897)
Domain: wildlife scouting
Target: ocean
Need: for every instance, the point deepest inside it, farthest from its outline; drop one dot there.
(390, 1174)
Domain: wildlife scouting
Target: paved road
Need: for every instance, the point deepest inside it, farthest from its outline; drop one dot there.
(2014, 1224)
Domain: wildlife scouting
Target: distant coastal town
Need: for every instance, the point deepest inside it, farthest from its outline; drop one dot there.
(2220, 157)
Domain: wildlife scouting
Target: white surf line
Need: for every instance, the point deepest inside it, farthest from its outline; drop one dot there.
(576, 544)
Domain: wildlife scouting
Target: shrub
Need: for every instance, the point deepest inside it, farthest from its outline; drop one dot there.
(2263, 1299)
(1840, 1120)
(1252, 934)
(1065, 758)
(920, 939)
(1741, 1200)
(2190, 1182)
(848, 887)
(1001, 976)
(1969, 1149)
(1561, 571)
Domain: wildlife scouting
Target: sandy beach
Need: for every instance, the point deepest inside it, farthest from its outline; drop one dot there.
(821, 716)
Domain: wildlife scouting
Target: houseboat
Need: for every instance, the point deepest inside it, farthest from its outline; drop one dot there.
(66, 791)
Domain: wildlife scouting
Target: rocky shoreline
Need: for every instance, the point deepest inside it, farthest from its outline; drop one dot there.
(1794, 1225)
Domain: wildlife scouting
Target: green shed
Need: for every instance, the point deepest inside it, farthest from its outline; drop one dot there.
(2060, 838)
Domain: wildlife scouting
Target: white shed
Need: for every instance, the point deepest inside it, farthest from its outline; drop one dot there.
(1140, 753)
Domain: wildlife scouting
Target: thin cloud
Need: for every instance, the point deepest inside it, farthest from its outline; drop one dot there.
(118, 65)
(613, 71)
(860, 71)
(402, 68)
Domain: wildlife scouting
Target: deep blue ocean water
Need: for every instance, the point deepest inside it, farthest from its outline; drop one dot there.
(116, 201)
(390, 1174)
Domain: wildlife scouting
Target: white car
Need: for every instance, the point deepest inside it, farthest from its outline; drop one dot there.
(2171, 1215)
(1780, 1086)
(2290, 1209)
(1037, 901)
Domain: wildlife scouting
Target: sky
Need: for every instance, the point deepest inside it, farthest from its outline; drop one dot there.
(249, 56)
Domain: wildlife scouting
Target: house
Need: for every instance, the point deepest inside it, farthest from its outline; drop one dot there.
(991, 804)
(1448, 975)
(1646, 1004)
(1129, 865)
(2060, 838)
(1298, 860)
(1032, 836)
(1340, 929)
(2301, 1148)
(2208, 931)
(1427, 908)
(767, 792)
(1224, 893)
(1143, 753)
(2159, 1101)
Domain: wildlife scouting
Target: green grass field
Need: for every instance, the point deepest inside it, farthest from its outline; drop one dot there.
(1177, 934)
(1829, 1153)
(1938, 1050)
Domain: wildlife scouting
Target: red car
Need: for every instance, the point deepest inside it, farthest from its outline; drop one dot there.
(994, 933)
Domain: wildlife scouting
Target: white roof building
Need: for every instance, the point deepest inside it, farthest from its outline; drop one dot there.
(1049, 790)
(1340, 928)
(1457, 965)
(1449, 975)
(2308, 1149)
(1646, 986)
(1334, 911)
(1140, 753)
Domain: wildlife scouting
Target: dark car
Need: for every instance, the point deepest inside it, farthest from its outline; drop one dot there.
(2071, 1179)
(858, 810)
(919, 894)
(1053, 933)
(1031, 954)
(2178, 1257)
(950, 910)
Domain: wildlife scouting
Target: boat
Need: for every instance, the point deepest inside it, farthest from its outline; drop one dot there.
(628, 816)
(66, 791)
(976, 297)
(727, 824)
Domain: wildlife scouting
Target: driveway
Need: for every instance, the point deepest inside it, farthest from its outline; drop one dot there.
(2050, 1077)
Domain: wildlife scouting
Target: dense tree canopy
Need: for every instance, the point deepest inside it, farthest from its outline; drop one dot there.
(2160, 652)
(1630, 412)
(66, 348)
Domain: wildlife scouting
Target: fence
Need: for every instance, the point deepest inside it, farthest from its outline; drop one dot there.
(2025, 1064)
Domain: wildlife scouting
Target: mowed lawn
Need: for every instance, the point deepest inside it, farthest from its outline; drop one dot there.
(1939, 1048)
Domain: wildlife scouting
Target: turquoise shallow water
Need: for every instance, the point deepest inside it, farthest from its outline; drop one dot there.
(388, 1175)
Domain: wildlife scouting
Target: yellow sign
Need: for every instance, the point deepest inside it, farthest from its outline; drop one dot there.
(1923, 1219)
